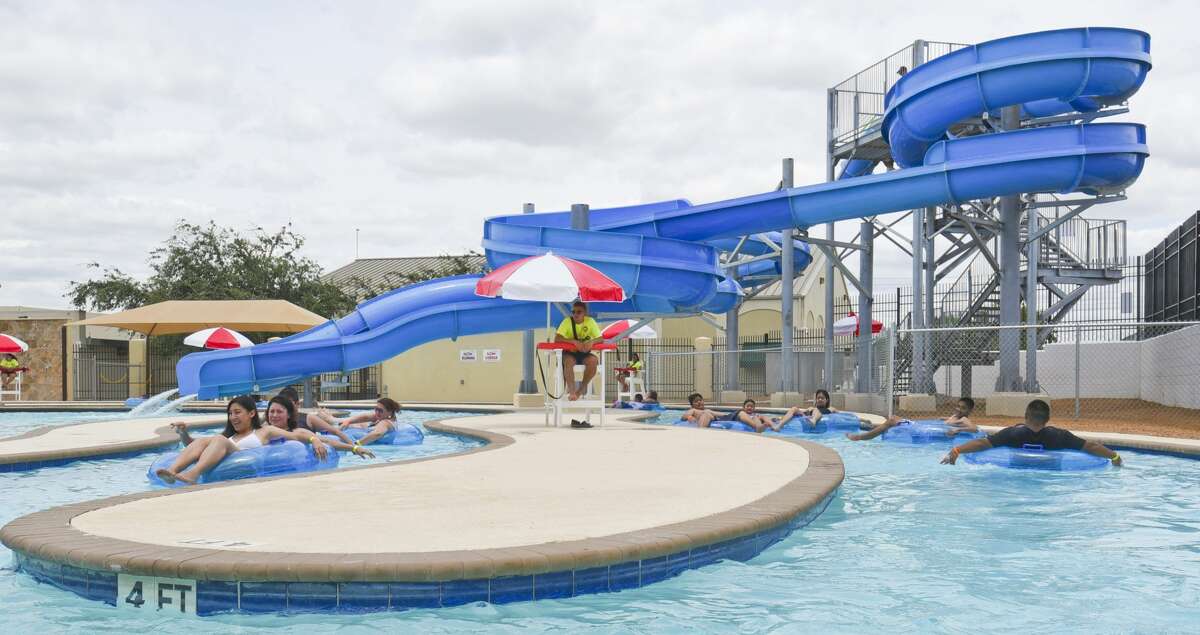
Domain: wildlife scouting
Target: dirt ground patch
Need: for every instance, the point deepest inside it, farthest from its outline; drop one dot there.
(1130, 416)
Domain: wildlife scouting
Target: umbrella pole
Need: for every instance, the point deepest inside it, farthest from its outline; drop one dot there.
(547, 321)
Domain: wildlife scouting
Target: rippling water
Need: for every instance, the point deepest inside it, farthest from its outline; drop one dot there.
(908, 546)
(14, 423)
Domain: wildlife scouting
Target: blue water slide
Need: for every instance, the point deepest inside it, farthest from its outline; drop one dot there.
(665, 254)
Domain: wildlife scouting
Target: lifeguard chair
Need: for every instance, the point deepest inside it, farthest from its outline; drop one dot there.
(14, 389)
(591, 402)
(634, 384)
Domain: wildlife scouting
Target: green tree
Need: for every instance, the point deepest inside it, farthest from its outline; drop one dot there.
(210, 262)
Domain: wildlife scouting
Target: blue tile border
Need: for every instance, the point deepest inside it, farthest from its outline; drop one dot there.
(213, 597)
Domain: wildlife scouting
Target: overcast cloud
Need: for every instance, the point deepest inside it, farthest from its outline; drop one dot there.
(416, 121)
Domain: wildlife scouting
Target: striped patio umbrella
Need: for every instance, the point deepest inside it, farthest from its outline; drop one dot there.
(217, 338)
(10, 344)
(549, 278)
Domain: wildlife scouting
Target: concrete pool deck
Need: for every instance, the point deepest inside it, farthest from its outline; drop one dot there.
(56, 445)
(538, 507)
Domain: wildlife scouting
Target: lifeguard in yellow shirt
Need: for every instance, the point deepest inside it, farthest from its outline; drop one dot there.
(583, 332)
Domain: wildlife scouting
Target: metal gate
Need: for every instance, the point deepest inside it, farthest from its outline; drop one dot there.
(103, 371)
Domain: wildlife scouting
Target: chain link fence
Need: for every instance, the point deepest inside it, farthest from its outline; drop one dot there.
(1107, 371)
(755, 368)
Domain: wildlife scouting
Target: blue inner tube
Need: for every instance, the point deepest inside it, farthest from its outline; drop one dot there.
(737, 426)
(634, 405)
(134, 402)
(832, 422)
(925, 431)
(400, 434)
(1033, 457)
(289, 457)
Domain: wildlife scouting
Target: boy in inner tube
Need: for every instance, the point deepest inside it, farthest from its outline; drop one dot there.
(1033, 432)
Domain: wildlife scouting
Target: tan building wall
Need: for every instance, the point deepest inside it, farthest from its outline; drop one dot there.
(44, 379)
(436, 372)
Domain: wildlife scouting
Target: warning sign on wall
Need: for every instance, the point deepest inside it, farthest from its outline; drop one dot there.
(466, 355)
(491, 354)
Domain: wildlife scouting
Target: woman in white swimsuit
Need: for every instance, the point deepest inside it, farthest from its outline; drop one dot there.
(243, 431)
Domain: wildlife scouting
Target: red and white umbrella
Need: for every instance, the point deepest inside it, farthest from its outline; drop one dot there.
(217, 337)
(849, 325)
(644, 332)
(549, 278)
(10, 344)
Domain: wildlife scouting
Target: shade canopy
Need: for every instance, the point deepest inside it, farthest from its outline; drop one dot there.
(187, 316)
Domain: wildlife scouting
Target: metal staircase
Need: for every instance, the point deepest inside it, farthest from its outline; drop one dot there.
(1077, 255)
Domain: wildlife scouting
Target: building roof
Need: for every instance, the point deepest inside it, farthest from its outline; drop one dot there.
(376, 271)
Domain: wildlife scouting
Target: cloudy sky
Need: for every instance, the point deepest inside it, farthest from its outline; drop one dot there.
(415, 121)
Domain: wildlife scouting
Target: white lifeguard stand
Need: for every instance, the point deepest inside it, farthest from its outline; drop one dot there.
(634, 384)
(592, 402)
(15, 388)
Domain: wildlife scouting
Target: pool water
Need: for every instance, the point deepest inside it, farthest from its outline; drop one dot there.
(14, 423)
(908, 545)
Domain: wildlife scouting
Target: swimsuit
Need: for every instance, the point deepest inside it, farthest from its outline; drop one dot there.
(248, 442)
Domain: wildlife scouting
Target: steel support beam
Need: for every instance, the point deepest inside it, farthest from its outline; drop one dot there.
(850, 277)
(1009, 379)
(866, 275)
(917, 315)
(1032, 218)
(786, 290)
(528, 385)
(830, 113)
(930, 262)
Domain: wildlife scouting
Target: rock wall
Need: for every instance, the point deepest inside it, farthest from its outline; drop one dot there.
(44, 379)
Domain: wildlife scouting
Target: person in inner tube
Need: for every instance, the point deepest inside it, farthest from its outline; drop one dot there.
(698, 414)
(956, 423)
(320, 421)
(750, 416)
(819, 408)
(1033, 432)
(636, 403)
(282, 414)
(380, 421)
(652, 397)
(583, 332)
(243, 431)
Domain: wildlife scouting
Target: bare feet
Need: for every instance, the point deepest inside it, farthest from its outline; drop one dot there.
(574, 396)
(185, 479)
(165, 475)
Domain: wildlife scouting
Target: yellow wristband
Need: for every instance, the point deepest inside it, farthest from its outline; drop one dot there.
(1115, 457)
